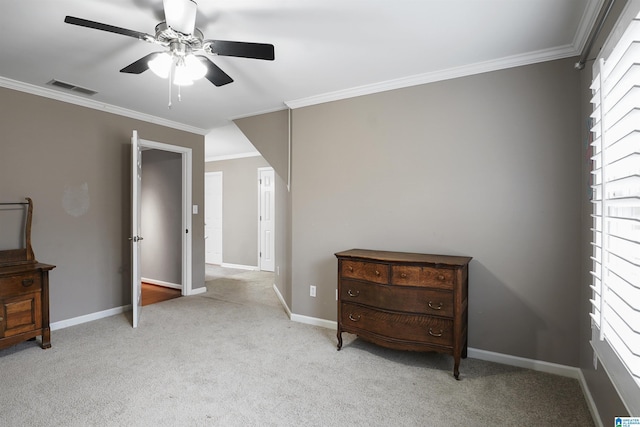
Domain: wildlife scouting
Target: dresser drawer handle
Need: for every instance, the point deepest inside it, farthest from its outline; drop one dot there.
(27, 282)
(350, 269)
(433, 334)
(354, 319)
(440, 277)
(432, 306)
(403, 275)
(353, 295)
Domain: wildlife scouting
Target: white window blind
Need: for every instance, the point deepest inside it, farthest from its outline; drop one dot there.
(616, 200)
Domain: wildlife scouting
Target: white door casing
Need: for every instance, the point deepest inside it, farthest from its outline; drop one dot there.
(137, 145)
(266, 220)
(213, 217)
(136, 184)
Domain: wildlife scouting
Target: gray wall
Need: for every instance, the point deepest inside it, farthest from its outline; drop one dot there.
(161, 216)
(446, 168)
(490, 166)
(486, 166)
(269, 133)
(75, 164)
(239, 208)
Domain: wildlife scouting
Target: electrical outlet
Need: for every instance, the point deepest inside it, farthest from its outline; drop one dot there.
(336, 295)
(277, 270)
(312, 291)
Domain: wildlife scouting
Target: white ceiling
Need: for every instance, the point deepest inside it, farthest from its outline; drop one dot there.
(227, 142)
(325, 50)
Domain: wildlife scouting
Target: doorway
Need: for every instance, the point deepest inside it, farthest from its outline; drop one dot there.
(137, 146)
(153, 294)
(213, 217)
(161, 225)
(186, 160)
(266, 219)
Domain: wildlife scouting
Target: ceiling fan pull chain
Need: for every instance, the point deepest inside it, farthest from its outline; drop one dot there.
(169, 80)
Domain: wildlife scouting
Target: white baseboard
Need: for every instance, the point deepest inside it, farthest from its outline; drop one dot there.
(282, 301)
(590, 402)
(521, 362)
(197, 291)
(490, 356)
(105, 313)
(240, 266)
(329, 324)
(537, 365)
(161, 283)
(89, 317)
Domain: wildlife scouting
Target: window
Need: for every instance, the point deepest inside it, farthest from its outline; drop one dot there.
(616, 207)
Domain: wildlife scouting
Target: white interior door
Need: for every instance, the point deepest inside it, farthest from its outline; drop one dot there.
(266, 219)
(136, 181)
(213, 217)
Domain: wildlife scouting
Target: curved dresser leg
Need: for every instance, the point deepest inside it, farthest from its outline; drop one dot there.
(456, 367)
(339, 339)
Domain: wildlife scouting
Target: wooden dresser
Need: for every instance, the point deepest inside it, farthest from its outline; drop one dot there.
(24, 291)
(24, 304)
(405, 301)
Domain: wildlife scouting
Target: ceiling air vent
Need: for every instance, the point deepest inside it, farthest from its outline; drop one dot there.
(71, 87)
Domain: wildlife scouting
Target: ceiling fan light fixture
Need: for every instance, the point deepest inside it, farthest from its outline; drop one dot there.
(161, 65)
(195, 68)
(180, 15)
(181, 39)
(182, 76)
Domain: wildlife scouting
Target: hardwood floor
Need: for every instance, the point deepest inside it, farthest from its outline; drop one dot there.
(152, 294)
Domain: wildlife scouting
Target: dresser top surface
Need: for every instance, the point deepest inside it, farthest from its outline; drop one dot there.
(408, 257)
(24, 268)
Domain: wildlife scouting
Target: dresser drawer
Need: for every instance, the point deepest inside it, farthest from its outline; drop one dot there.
(18, 284)
(372, 272)
(408, 275)
(409, 299)
(399, 326)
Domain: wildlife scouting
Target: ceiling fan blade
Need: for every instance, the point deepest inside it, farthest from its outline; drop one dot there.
(214, 74)
(106, 27)
(241, 49)
(141, 65)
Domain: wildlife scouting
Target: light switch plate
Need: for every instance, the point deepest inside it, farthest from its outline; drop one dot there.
(195, 209)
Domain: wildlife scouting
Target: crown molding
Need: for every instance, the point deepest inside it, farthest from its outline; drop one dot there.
(586, 23)
(259, 113)
(436, 76)
(84, 102)
(232, 156)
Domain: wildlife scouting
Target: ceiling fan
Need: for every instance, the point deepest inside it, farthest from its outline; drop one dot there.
(184, 46)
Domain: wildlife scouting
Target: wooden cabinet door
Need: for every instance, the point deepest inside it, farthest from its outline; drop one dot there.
(20, 314)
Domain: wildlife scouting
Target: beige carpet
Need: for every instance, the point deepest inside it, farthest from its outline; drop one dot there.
(231, 357)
